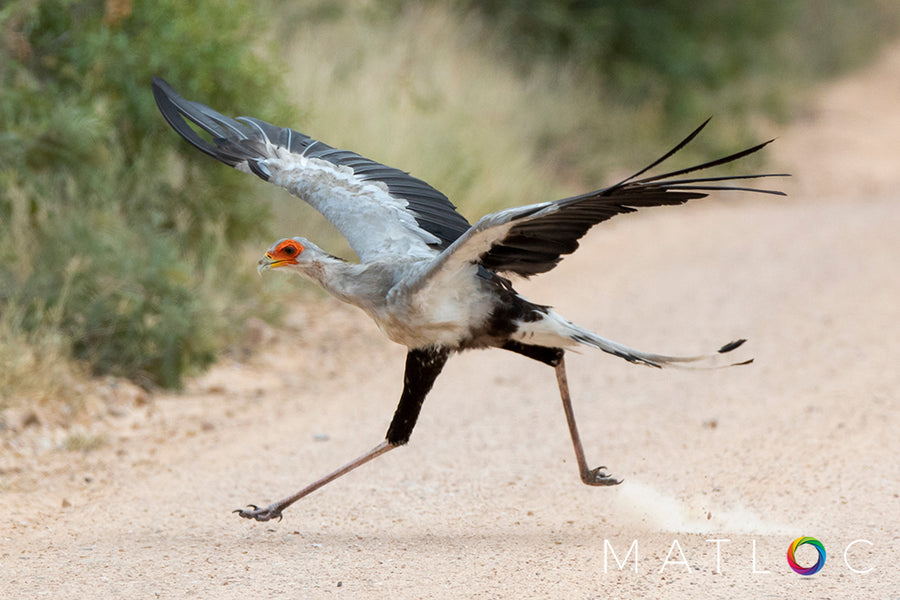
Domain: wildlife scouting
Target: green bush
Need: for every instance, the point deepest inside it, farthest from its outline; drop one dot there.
(112, 230)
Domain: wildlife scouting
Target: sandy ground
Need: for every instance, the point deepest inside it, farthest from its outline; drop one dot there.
(486, 502)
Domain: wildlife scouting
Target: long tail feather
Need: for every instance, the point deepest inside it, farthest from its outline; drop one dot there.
(715, 360)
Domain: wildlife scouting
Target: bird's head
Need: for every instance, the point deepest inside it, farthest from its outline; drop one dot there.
(288, 252)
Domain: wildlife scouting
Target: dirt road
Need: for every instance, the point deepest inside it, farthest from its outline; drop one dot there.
(486, 502)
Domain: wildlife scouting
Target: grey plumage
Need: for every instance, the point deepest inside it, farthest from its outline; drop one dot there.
(244, 141)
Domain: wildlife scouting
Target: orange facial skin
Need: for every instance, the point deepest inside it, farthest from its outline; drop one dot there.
(285, 253)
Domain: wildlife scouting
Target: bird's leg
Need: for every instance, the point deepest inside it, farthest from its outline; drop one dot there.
(423, 365)
(274, 510)
(589, 476)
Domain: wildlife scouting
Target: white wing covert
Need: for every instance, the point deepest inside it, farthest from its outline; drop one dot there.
(384, 213)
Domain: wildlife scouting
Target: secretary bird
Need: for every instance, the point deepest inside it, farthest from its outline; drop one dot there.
(430, 280)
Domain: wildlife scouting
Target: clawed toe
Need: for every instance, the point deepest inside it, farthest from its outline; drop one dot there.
(599, 477)
(260, 514)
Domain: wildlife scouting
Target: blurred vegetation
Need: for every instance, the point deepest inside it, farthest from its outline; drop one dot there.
(122, 249)
(675, 63)
(510, 101)
(680, 55)
(118, 240)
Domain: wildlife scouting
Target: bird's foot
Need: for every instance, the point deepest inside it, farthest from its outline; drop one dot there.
(599, 477)
(260, 514)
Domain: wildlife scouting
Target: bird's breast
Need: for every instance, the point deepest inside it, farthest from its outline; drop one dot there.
(442, 317)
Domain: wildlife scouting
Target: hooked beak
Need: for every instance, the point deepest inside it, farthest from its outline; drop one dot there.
(269, 262)
(264, 264)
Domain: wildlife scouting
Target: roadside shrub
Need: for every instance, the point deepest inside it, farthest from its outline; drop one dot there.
(113, 231)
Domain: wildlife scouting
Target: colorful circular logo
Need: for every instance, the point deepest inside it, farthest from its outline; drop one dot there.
(815, 544)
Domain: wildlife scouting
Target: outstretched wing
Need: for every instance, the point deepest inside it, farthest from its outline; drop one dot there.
(383, 212)
(532, 239)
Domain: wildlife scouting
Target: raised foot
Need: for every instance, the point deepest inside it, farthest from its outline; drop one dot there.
(260, 514)
(599, 477)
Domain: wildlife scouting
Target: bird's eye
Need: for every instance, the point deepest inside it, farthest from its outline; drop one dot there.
(289, 249)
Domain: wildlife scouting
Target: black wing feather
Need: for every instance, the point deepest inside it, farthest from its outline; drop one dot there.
(539, 238)
(236, 141)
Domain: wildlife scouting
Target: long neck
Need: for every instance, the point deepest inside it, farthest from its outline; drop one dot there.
(363, 285)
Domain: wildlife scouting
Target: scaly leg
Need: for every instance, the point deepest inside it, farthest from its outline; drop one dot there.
(274, 510)
(423, 365)
(588, 476)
